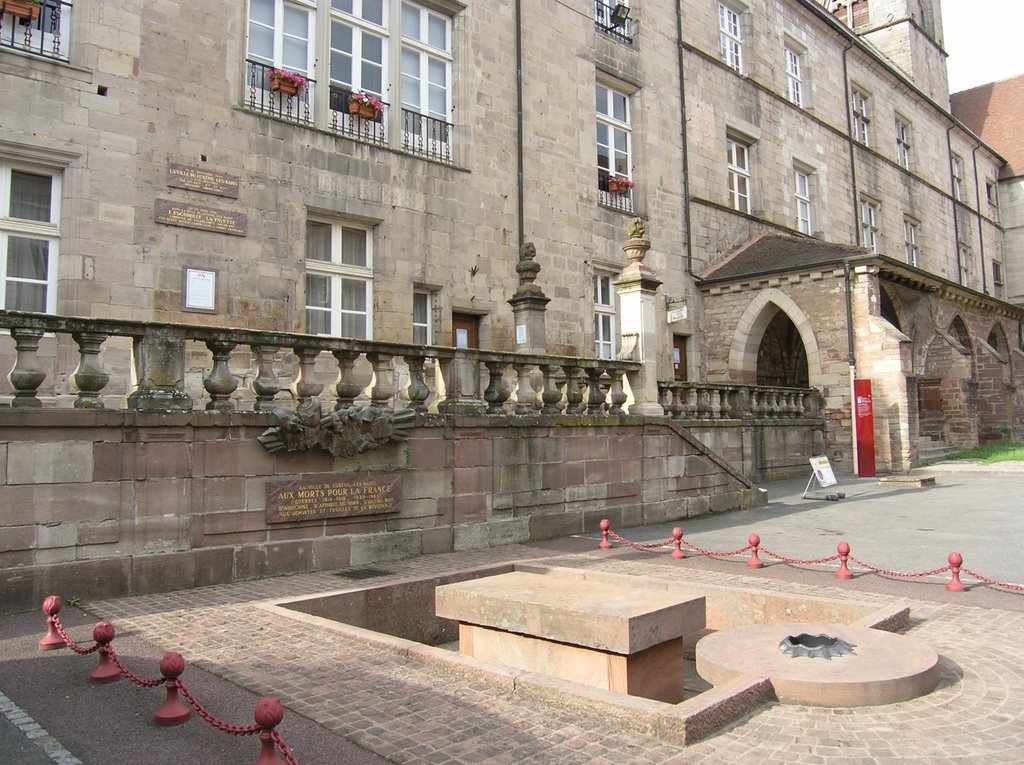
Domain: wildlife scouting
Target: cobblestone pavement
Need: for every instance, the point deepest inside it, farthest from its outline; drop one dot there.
(410, 712)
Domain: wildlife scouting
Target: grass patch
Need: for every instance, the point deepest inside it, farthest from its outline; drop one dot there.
(992, 453)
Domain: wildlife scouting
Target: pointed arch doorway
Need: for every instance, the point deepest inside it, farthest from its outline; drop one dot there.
(781, 356)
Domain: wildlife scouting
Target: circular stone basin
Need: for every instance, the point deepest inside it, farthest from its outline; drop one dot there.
(883, 668)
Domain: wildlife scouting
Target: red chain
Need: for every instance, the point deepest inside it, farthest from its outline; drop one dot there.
(986, 580)
(288, 756)
(712, 553)
(898, 574)
(128, 673)
(234, 730)
(71, 643)
(784, 559)
(638, 545)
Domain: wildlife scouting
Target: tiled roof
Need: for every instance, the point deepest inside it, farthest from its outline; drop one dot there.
(995, 112)
(770, 253)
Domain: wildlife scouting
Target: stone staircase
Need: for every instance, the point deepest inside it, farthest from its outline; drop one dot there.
(930, 449)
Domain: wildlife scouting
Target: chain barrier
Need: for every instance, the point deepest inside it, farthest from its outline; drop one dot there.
(269, 711)
(955, 559)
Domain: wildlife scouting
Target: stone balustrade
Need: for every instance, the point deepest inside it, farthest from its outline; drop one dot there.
(422, 378)
(718, 401)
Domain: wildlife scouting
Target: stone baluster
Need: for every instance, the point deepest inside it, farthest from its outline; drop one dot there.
(725, 407)
(689, 401)
(90, 378)
(220, 383)
(305, 386)
(773, 404)
(701, 408)
(551, 396)
(741, 402)
(617, 394)
(498, 391)
(346, 389)
(677, 402)
(26, 376)
(595, 395)
(265, 385)
(715, 402)
(573, 390)
(526, 396)
(418, 390)
(791, 407)
(383, 389)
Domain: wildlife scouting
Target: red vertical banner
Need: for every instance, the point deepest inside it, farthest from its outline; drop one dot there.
(864, 412)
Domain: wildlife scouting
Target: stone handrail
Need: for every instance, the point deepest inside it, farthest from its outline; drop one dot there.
(714, 401)
(512, 382)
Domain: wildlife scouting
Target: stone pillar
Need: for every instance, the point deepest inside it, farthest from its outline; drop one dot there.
(529, 304)
(159, 374)
(637, 288)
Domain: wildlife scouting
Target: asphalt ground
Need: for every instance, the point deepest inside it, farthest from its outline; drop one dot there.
(50, 712)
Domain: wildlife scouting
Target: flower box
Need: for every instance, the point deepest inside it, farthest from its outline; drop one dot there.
(22, 9)
(619, 185)
(285, 82)
(366, 107)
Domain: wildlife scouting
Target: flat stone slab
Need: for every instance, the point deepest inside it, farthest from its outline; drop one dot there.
(884, 668)
(619, 617)
(907, 480)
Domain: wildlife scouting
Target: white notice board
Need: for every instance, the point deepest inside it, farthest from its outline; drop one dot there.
(823, 471)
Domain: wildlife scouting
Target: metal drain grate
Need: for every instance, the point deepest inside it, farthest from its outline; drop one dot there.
(361, 573)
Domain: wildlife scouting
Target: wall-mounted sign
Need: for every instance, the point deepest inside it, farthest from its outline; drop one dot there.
(677, 314)
(200, 290)
(203, 218)
(202, 180)
(333, 496)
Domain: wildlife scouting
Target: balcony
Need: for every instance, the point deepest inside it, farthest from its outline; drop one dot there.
(41, 30)
(613, 20)
(420, 134)
(615, 199)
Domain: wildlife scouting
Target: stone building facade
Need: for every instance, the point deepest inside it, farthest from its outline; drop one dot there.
(156, 169)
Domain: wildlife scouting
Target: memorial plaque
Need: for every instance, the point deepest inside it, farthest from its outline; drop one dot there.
(333, 496)
(203, 218)
(202, 180)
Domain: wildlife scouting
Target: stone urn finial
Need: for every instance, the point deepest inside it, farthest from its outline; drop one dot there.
(636, 245)
(527, 268)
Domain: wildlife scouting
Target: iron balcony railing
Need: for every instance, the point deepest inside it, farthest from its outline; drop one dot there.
(263, 95)
(347, 120)
(40, 29)
(617, 200)
(426, 136)
(613, 20)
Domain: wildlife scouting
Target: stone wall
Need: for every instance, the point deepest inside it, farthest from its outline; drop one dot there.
(105, 503)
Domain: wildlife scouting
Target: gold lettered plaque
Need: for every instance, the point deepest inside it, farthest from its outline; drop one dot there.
(202, 180)
(203, 218)
(333, 496)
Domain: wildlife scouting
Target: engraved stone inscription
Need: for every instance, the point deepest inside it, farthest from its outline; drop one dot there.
(203, 218)
(202, 180)
(332, 496)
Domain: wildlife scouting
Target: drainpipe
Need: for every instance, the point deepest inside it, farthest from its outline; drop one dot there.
(851, 357)
(686, 153)
(956, 223)
(520, 215)
(981, 227)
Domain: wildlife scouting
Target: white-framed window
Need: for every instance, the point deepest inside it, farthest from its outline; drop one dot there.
(422, 311)
(339, 279)
(997, 273)
(992, 195)
(911, 237)
(604, 316)
(965, 264)
(802, 199)
(958, 177)
(869, 229)
(860, 107)
(614, 141)
(903, 143)
(737, 155)
(794, 76)
(397, 51)
(29, 237)
(730, 33)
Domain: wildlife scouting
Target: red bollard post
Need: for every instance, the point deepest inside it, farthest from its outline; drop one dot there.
(844, 552)
(268, 715)
(106, 671)
(754, 541)
(677, 536)
(52, 639)
(172, 712)
(955, 560)
(605, 526)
